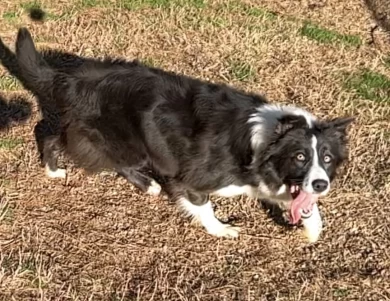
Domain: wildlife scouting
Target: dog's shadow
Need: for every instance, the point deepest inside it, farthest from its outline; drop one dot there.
(13, 111)
(380, 12)
(275, 213)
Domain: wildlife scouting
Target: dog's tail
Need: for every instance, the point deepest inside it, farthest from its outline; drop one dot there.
(36, 73)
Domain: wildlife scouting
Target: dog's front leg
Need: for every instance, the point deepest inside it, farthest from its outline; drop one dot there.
(199, 207)
(313, 225)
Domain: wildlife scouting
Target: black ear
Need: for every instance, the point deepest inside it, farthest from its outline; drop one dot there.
(337, 128)
(289, 122)
(340, 124)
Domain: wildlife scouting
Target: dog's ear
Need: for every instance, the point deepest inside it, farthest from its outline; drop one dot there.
(289, 122)
(337, 127)
(340, 124)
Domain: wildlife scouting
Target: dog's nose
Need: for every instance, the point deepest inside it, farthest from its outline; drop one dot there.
(319, 185)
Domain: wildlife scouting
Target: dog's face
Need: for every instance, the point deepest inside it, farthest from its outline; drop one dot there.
(306, 158)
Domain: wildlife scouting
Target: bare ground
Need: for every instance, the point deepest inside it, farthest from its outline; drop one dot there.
(98, 238)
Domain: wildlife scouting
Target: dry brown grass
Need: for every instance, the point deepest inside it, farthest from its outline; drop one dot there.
(97, 238)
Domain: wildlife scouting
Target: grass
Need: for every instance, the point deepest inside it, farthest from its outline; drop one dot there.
(9, 83)
(93, 3)
(370, 85)
(216, 21)
(326, 36)
(240, 70)
(140, 4)
(10, 143)
(151, 62)
(6, 212)
(387, 61)
(239, 7)
(340, 293)
(99, 238)
(30, 5)
(259, 12)
(10, 16)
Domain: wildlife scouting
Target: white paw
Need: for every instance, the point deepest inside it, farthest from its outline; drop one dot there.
(154, 188)
(59, 173)
(311, 236)
(225, 230)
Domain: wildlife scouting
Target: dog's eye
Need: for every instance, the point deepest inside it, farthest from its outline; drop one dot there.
(327, 159)
(301, 157)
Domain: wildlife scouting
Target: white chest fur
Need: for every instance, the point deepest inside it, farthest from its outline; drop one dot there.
(262, 191)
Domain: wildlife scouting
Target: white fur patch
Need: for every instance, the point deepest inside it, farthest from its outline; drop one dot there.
(59, 173)
(279, 197)
(204, 214)
(266, 119)
(233, 190)
(316, 172)
(313, 225)
(154, 188)
(282, 190)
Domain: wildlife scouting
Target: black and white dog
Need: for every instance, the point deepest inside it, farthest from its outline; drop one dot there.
(203, 138)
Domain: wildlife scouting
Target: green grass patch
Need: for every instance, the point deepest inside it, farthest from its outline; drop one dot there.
(241, 71)
(139, 4)
(10, 143)
(10, 16)
(28, 265)
(260, 12)
(150, 62)
(9, 83)
(29, 269)
(247, 10)
(7, 214)
(370, 85)
(326, 36)
(216, 21)
(5, 182)
(386, 61)
(94, 3)
(340, 292)
(30, 5)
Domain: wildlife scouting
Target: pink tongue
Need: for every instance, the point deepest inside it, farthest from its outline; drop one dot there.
(304, 201)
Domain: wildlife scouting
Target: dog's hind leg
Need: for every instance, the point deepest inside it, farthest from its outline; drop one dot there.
(51, 151)
(140, 180)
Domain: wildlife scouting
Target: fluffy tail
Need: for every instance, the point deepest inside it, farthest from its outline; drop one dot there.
(36, 73)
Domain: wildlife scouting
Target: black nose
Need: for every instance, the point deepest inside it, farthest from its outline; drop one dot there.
(319, 185)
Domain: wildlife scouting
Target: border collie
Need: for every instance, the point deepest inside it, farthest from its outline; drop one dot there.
(202, 138)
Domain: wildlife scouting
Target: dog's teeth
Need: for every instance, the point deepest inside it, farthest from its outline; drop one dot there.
(292, 189)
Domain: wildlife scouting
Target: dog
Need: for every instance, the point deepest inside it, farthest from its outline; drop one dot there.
(202, 138)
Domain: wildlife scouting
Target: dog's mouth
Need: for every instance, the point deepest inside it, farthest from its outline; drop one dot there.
(301, 205)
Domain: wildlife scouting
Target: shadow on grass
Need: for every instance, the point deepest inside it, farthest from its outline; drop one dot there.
(380, 10)
(275, 213)
(12, 111)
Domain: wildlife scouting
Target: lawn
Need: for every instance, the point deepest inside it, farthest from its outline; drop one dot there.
(96, 237)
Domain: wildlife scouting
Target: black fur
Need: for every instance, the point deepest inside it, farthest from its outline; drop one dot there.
(194, 134)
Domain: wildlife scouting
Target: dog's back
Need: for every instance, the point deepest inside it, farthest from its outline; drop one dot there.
(103, 107)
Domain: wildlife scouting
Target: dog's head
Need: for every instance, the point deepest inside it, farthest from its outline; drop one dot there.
(304, 155)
